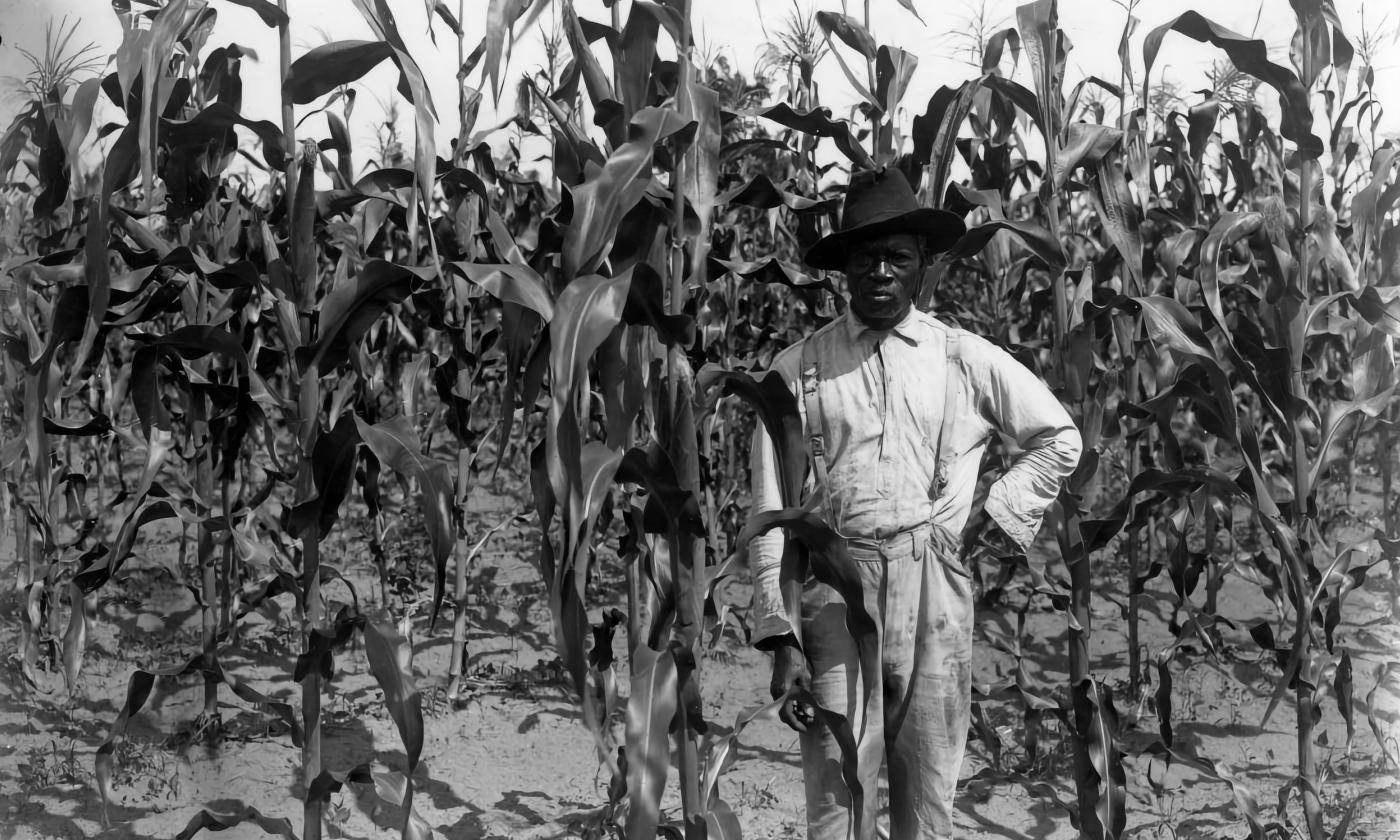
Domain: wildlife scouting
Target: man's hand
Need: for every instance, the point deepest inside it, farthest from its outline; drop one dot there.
(792, 680)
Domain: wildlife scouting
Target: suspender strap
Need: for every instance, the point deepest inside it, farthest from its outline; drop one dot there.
(952, 374)
(816, 443)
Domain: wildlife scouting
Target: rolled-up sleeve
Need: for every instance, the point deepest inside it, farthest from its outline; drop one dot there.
(1019, 405)
(768, 614)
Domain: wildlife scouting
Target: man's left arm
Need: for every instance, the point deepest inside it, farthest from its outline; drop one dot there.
(1017, 403)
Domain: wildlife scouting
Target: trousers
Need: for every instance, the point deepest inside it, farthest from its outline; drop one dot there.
(919, 592)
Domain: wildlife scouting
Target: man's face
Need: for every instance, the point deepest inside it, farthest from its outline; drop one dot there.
(883, 274)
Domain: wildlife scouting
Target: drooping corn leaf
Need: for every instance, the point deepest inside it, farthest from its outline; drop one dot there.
(1245, 800)
(850, 31)
(645, 306)
(678, 509)
(395, 443)
(217, 121)
(818, 123)
(266, 10)
(1086, 144)
(100, 568)
(350, 309)
(510, 283)
(390, 658)
(138, 691)
(333, 468)
(1250, 55)
(776, 408)
(1038, 239)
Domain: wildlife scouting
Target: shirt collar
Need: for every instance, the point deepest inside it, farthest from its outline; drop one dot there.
(912, 330)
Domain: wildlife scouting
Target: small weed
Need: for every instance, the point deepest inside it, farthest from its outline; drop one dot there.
(205, 729)
(145, 766)
(524, 681)
(346, 709)
(49, 765)
(435, 701)
(756, 797)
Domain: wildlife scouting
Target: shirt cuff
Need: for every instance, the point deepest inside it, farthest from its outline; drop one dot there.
(1012, 525)
(769, 628)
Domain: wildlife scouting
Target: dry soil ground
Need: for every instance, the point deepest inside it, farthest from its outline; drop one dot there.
(511, 760)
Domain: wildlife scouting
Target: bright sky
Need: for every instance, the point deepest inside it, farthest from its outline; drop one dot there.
(734, 28)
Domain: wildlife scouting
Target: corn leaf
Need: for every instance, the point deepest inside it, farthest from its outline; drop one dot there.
(75, 637)
(160, 45)
(600, 203)
(1378, 717)
(650, 711)
(267, 11)
(1085, 145)
(1035, 237)
(668, 505)
(1119, 214)
(893, 70)
(587, 311)
(646, 307)
(635, 56)
(1042, 39)
(850, 31)
(98, 569)
(510, 283)
(596, 82)
(333, 459)
(776, 408)
(99, 278)
(818, 123)
(1112, 795)
(1250, 55)
(350, 309)
(395, 443)
(390, 658)
(138, 691)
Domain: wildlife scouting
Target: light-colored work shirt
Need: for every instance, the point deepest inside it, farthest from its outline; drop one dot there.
(882, 399)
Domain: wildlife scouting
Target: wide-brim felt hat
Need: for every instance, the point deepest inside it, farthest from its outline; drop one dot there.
(877, 203)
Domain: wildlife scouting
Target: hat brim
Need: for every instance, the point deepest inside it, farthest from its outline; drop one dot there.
(940, 229)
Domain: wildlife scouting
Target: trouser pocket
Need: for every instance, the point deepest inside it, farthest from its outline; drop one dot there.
(944, 547)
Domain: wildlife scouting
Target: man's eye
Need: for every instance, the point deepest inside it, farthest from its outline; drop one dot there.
(865, 262)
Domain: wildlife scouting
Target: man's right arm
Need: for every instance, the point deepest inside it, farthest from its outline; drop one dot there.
(769, 614)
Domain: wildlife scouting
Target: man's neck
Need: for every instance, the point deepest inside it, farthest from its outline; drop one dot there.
(882, 324)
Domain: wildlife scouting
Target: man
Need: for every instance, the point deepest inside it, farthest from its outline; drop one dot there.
(897, 410)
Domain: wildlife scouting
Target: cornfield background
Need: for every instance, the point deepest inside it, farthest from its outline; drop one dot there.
(411, 496)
